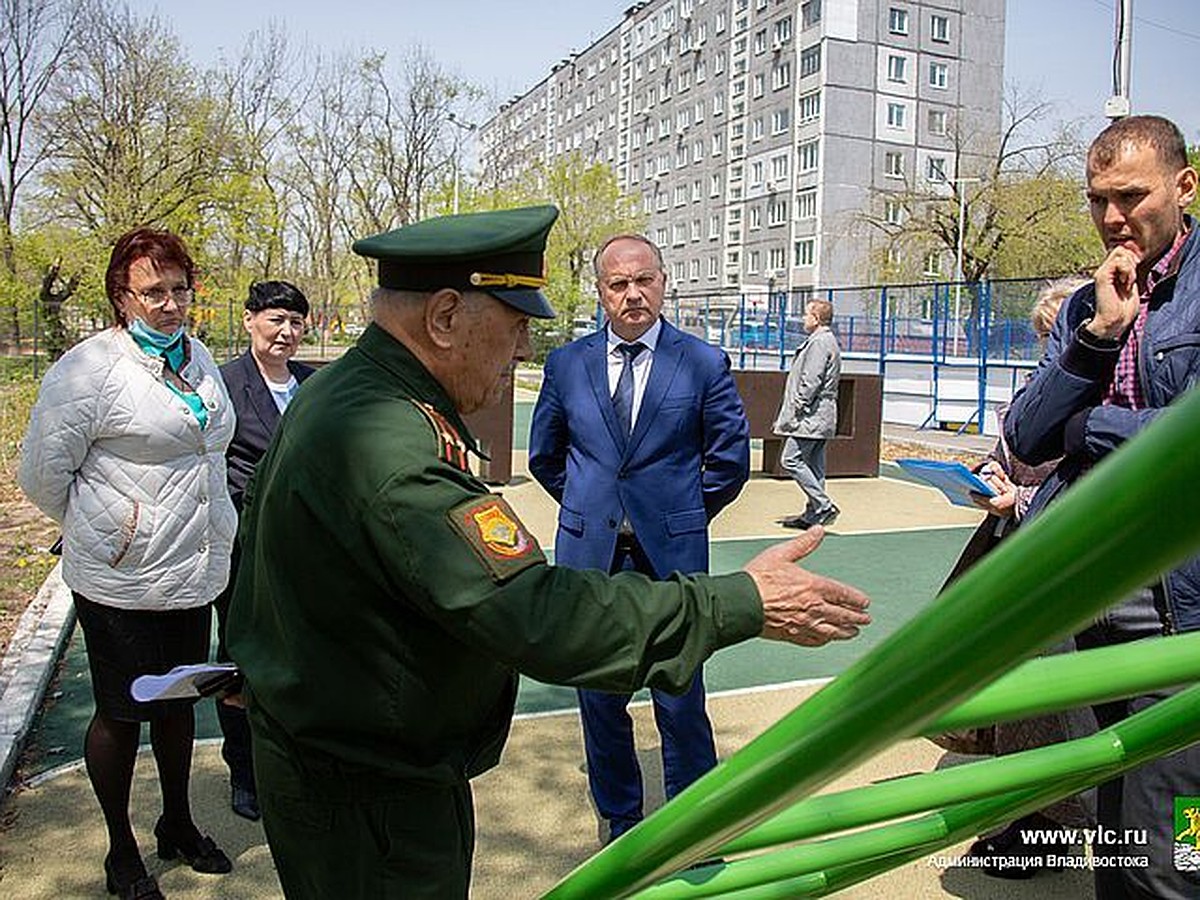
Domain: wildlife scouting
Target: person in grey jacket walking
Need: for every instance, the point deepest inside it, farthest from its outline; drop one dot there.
(808, 414)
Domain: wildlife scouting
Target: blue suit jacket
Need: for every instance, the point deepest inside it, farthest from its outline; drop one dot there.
(688, 456)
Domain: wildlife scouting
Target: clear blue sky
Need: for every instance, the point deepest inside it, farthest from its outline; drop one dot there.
(1060, 48)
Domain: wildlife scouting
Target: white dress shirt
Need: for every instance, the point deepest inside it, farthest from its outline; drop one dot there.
(641, 365)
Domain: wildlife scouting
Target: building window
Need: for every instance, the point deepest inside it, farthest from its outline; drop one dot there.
(897, 69)
(696, 191)
(895, 115)
(780, 121)
(779, 167)
(781, 76)
(679, 234)
(807, 156)
(810, 107)
(893, 164)
(933, 264)
(756, 172)
(694, 267)
(936, 170)
(714, 270)
(718, 104)
(938, 74)
(898, 20)
(760, 41)
(714, 184)
(756, 129)
(939, 29)
(753, 262)
(810, 13)
(777, 258)
(893, 212)
(777, 213)
(810, 61)
(680, 194)
(806, 251)
(759, 81)
(714, 227)
(755, 218)
(937, 121)
(806, 204)
(781, 33)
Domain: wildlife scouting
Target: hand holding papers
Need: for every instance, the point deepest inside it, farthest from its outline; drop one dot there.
(953, 479)
(182, 682)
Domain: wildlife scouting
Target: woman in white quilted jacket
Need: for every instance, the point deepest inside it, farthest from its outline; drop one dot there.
(126, 450)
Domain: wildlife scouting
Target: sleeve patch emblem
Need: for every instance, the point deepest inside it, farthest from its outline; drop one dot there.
(496, 535)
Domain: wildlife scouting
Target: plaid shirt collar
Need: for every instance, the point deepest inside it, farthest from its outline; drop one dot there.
(1168, 264)
(1125, 389)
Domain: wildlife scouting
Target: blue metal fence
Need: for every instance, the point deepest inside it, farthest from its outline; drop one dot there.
(938, 320)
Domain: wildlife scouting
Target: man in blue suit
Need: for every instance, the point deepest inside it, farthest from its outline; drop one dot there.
(640, 435)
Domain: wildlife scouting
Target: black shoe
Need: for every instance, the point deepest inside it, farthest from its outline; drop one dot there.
(198, 850)
(796, 522)
(827, 517)
(245, 803)
(127, 878)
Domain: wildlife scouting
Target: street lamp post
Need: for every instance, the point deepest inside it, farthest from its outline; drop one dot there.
(958, 255)
(469, 128)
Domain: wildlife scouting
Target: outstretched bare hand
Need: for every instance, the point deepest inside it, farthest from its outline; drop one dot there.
(800, 607)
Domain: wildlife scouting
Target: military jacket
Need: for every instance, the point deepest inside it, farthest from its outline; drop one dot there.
(386, 599)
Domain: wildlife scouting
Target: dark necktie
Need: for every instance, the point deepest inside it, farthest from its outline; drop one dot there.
(623, 395)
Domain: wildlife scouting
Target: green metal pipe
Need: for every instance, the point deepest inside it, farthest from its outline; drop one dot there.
(1164, 728)
(828, 813)
(1068, 680)
(1049, 579)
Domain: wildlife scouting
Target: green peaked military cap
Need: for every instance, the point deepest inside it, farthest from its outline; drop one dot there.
(501, 252)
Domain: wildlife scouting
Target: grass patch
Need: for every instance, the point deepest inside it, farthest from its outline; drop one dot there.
(24, 531)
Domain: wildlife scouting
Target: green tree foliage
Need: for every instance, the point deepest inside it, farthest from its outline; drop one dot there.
(591, 208)
(36, 39)
(139, 138)
(1018, 200)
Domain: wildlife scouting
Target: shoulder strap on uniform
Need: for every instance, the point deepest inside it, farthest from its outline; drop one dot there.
(450, 446)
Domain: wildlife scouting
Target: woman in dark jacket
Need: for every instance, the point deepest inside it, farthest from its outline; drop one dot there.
(261, 382)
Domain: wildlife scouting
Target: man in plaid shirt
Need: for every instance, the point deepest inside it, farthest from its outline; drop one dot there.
(1122, 350)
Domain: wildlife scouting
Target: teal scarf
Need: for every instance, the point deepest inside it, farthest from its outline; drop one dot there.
(170, 348)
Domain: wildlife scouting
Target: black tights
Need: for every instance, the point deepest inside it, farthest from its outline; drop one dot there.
(110, 749)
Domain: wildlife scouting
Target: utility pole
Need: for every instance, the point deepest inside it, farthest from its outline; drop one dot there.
(469, 128)
(958, 255)
(1118, 105)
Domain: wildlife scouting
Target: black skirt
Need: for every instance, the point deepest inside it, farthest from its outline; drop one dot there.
(125, 643)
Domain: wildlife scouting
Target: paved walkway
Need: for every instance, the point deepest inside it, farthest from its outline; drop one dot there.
(534, 818)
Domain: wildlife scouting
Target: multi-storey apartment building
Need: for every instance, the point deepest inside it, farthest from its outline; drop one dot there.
(761, 134)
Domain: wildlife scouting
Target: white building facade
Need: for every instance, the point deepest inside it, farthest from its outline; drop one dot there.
(760, 134)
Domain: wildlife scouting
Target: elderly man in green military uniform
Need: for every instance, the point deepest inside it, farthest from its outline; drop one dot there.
(386, 600)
